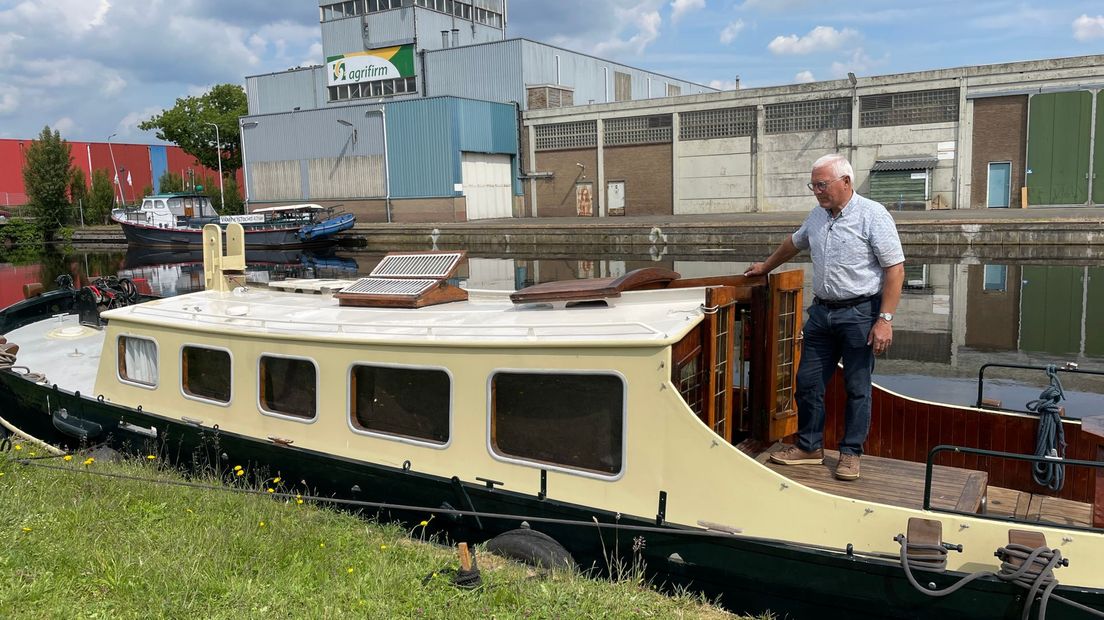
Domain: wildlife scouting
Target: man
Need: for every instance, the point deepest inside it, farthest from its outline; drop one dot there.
(858, 269)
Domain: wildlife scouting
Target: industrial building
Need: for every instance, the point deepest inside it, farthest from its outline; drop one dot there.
(415, 116)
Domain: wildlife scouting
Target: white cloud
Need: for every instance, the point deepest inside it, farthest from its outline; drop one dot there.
(64, 125)
(606, 29)
(725, 84)
(680, 8)
(819, 39)
(731, 31)
(128, 126)
(647, 31)
(113, 84)
(9, 101)
(1086, 28)
(859, 62)
(774, 5)
(804, 77)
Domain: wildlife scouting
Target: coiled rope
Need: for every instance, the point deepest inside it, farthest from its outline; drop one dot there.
(1050, 438)
(1030, 568)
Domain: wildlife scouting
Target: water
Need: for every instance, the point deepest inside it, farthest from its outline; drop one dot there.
(956, 312)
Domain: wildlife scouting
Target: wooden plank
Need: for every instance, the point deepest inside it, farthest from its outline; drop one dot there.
(1002, 502)
(973, 492)
(1023, 504)
(1035, 508)
(1064, 512)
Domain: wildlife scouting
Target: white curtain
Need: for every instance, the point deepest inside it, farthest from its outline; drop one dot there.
(140, 363)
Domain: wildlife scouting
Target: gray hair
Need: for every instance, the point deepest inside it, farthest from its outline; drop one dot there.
(838, 164)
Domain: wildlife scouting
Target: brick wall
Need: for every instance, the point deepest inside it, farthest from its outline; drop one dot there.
(1000, 134)
(646, 171)
(556, 195)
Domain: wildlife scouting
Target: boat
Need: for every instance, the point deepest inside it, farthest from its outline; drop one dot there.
(176, 220)
(625, 419)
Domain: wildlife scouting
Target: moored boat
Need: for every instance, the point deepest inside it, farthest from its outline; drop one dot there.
(176, 220)
(626, 416)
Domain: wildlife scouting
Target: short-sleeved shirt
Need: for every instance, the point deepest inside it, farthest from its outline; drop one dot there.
(851, 250)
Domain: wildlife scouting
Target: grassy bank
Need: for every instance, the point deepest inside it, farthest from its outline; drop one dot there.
(77, 545)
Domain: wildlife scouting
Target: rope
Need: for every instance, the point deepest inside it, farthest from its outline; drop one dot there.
(1050, 438)
(1029, 568)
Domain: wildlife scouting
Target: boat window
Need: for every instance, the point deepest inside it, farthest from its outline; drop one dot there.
(205, 373)
(138, 360)
(288, 386)
(573, 420)
(411, 402)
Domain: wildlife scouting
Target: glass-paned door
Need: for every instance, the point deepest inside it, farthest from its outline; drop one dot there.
(1000, 184)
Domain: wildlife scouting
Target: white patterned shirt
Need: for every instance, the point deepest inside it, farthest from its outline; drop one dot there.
(850, 251)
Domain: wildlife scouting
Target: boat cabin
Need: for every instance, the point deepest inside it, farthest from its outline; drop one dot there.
(170, 210)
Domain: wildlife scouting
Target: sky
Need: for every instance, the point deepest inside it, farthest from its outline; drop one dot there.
(91, 68)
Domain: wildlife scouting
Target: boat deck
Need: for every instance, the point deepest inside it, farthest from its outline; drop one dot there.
(901, 483)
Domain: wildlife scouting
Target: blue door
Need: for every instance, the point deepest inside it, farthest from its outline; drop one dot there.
(1000, 184)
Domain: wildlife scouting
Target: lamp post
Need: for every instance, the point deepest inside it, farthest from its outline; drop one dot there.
(115, 170)
(218, 147)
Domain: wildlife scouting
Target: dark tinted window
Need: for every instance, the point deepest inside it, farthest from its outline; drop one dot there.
(289, 386)
(412, 402)
(205, 373)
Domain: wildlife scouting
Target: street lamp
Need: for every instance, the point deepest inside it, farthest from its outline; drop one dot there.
(218, 146)
(115, 169)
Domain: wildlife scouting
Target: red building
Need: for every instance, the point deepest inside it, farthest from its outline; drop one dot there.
(139, 165)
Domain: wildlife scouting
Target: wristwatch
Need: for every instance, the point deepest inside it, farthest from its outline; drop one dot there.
(887, 316)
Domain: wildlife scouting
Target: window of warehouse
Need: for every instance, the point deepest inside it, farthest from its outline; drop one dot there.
(381, 88)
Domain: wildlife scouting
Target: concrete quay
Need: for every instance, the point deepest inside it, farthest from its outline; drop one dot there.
(1043, 233)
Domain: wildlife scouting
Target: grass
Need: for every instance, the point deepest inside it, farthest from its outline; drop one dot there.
(75, 545)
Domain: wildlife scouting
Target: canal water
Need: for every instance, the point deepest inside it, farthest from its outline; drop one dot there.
(957, 313)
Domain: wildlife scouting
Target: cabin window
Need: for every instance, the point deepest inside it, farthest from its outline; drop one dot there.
(288, 386)
(138, 360)
(572, 420)
(409, 402)
(205, 373)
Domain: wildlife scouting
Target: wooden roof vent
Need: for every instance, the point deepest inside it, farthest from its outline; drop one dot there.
(592, 289)
(407, 280)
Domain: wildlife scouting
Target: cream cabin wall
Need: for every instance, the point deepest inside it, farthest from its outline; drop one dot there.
(667, 447)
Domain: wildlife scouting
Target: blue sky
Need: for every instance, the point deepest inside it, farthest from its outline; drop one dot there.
(94, 67)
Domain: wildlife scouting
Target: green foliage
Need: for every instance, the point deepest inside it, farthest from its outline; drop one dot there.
(147, 190)
(24, 239)
(46, 175)
(186, 124)
(234, 203)
(170, 182)
(101, 199)
(78, 191)
(78, 545)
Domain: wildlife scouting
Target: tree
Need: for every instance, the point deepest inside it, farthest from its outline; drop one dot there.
(185, 124)
(46, 175)
(170, 182)
(101, 199)
(78, 191)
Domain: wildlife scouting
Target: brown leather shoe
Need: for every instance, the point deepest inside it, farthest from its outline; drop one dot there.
(792, 455)
(848, 467)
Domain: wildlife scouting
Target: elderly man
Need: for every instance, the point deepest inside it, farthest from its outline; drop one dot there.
(858, 269)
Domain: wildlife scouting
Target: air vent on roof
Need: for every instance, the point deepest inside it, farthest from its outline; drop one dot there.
(408, 280)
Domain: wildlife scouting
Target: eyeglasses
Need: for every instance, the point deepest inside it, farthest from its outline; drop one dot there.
(820, 186)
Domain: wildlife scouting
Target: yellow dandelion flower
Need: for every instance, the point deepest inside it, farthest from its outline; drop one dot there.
(261, 524)
(26, 529)
(18, 447)
(298, 500)
(239, 473)
(276, 480)
(151, 457)
(424, 523)
(321, 544)
(271, 490)
(350, 569)
(237, 468)
(383, 546)
(89, 461)
(67, 458)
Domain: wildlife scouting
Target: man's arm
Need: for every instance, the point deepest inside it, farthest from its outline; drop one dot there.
(881, 335)
(786, 250)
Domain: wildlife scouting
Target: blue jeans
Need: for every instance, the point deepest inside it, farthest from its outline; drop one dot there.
(832, 335)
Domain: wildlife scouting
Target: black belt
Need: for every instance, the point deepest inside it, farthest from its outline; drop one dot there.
(835, 304)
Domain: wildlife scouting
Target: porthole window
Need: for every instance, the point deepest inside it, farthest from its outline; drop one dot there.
(205, 373)
(572, 420)
(288, 386)
(407, 402)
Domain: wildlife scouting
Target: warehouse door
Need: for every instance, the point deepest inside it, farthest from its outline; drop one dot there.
(488, 185)
(1098, 153)
(900, 189)
(1058, 148)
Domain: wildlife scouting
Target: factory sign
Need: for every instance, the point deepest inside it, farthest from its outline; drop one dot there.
(386, 63)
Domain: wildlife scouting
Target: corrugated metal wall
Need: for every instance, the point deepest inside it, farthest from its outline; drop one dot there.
(283, 92)
(491, 72)
(342, 36)
(431, 23)
(159, 163)
(423, 139)
(490, 128)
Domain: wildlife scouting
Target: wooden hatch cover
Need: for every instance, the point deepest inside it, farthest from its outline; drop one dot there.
(595, 288)
(407, 280)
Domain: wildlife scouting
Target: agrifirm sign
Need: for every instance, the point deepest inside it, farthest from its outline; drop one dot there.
(385, 63)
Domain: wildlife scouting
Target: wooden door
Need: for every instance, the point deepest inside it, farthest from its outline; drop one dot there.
(783, 351)
(720, 359)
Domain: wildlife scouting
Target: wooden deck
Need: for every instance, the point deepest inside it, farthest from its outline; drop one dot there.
(901, 483)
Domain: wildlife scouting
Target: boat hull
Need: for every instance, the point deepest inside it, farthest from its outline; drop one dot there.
(255, 238)
(748, 574)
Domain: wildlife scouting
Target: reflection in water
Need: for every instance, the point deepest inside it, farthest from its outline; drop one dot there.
(954, 315)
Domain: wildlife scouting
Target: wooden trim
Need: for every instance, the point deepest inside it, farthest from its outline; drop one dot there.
(595, 288)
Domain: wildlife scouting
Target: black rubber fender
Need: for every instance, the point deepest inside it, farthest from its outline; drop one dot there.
(531, 547)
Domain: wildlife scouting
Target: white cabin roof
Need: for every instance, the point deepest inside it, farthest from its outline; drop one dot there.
(487, 318)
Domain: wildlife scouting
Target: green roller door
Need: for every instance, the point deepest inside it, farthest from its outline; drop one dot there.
(1058, 148)
(1098, 152)
(1050, 309)
(898, 189)
(1094, 310)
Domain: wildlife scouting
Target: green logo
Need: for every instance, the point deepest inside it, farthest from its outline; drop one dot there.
(339, 71)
